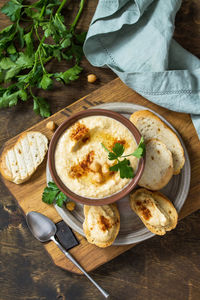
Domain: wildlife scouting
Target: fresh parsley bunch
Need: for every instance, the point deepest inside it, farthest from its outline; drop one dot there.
(38, 35)
(52, 193)
(123, 166)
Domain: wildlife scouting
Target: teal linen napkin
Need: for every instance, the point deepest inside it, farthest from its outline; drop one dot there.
(134, 39)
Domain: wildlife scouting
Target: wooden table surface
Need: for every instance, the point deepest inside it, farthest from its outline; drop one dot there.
(160, 268)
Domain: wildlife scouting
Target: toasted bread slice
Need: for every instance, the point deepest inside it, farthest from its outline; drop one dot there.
(155, 210)
(158, 168)
(101, 224)
(18, 163)
(151, 126)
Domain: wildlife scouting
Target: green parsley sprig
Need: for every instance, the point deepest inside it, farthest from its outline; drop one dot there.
(52, 193)
(123, 166)
(36, 36)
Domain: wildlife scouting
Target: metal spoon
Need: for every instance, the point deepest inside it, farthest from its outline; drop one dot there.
(44, 230)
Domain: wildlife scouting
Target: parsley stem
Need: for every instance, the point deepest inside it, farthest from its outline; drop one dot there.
(127, 155)
(39, 47)
(47, 59)
(36, 32)
(37, 53)
(105, 147)
(30, 90)
(26, 86)
(43, 68)
(61, 6)
(72, 27)
(43, 9)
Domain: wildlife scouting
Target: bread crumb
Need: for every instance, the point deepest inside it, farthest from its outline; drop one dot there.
(91, 78)
(51, 125)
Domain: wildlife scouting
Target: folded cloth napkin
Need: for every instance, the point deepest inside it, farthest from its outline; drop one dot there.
(134, 39)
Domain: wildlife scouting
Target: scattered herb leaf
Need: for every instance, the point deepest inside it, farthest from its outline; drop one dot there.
(41, 106)
(60, 198)
(49, 195)
(25, 50)
(52, 193)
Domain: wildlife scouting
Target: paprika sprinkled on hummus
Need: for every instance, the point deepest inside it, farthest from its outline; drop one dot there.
(82, 163)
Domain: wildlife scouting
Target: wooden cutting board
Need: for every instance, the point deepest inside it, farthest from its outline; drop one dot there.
(28, 195)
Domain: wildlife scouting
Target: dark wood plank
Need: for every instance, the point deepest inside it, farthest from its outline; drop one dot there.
(113, 91)
(161, 268)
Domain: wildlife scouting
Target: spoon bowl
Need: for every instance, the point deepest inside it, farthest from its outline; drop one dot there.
(44, 230)
(41, 227)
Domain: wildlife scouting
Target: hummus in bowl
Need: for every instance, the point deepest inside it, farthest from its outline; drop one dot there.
(79, 163)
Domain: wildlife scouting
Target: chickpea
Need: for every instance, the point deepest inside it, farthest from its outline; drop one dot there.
(105, 169)
(95, 166)
(91, 78)
(97, 177)
(51, 125)
(70, 205)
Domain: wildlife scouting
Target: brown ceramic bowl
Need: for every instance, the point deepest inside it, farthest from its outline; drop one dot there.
(51, 157)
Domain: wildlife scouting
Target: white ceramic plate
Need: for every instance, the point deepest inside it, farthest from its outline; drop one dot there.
(132, 229)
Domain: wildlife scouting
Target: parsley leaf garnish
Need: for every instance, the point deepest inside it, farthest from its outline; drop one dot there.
(140, 151)
(118, 150)
(52, 193)
(38, 34)
(126, 171)
(123, 166)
